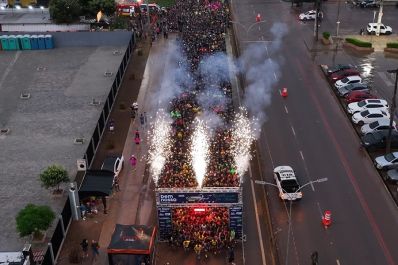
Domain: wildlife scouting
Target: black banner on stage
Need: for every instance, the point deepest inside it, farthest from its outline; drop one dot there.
(165, 225)
(235, 220)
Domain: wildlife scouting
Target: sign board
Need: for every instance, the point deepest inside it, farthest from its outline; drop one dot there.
(165, 223)
(198, 197)
(235, 220)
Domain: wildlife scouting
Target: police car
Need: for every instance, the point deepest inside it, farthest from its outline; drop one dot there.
(287, 183)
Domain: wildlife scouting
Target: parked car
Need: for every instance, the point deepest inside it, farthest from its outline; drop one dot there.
(378, 140)
(372, 28)
(387, 161)
(342, 91)
(339, 67)
(347, 81)
(287, 183)
(369, 3)
(369, 115)
(377, 126)
(310, 15)
(343, 73)
(392, 175)
(113, 164)
(367, 104)
(356, 96)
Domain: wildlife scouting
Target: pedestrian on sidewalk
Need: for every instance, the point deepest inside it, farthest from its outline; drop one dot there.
(137, 138)
(94, 249)
(112, 126)
(84, 245)
(133, 161)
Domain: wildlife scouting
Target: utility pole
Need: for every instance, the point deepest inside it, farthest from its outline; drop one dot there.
(316, 24)
(388, 146)
(379, 18)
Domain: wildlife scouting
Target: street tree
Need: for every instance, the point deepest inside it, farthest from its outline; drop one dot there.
(108, 7)
(53, 176)
(33, 219)
(65, 11)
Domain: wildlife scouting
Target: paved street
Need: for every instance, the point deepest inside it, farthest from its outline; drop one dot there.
(310, 132)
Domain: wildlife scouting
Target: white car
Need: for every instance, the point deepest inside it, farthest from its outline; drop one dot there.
(113, 164)
(310, 15)
(347, 81)
(287, 183)
(382, 124)
(367, 104)
(369, 115)
(387, 161)
(372, 29)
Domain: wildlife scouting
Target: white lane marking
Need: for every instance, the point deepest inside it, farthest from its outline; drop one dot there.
(287, 112)
(275, 76)
(306, 170)
(294, 132)
(257, 218)
(320, 210)
(266, 48)
(280, 92)
(248, 41)
(9, 68)
(302, 156)
(259, 28)
(337, 261)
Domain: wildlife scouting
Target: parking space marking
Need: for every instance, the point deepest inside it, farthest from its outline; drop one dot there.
(275, 76)
(287, 112)
(337, 261)
(293, 131)
(302, 156)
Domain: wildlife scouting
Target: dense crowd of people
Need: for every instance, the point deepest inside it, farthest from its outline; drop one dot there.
(204, 231)
(201, 26)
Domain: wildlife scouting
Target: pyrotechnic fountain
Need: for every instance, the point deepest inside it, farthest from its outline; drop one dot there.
(200, 150)
(159, 144)
(243, 134)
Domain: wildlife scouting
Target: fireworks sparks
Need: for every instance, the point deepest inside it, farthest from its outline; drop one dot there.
(243, 134)
(200, 150)
(159, 149)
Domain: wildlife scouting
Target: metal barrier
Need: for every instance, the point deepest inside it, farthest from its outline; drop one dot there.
(65, 217)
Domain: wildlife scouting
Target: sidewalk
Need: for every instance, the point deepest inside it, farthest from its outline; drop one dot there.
(122, 206)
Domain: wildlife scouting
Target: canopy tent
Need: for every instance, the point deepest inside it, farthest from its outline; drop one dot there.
(131, 244)
(96, 183)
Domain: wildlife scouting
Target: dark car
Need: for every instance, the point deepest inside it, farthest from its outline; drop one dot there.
(378, 140)
(356, 96)
(392, 175)
(369, 3)
(339, 67)
(342, 91)
(342, 73)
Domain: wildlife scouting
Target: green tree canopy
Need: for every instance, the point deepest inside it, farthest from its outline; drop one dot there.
(34, 217)
(53, 176)
(65, 11)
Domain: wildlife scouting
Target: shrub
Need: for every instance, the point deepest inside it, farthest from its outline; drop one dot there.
(392, 45)
(359, 43)
(53, 176)
(33, 218)
(326, 35)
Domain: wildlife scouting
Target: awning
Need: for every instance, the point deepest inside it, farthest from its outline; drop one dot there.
(132, 239)
(96, 183)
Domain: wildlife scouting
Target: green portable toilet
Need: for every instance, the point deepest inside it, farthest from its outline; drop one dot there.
(12, 42)
(19, 42)
(4, 43)
(26, 42)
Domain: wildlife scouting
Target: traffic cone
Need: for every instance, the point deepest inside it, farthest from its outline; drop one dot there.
(258, 17)
(327, 219)
(284, 92)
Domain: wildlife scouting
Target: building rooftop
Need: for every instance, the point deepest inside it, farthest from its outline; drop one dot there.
(61, 83)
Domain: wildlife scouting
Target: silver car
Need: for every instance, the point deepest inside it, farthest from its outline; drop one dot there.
(387, 161)
(342, 91)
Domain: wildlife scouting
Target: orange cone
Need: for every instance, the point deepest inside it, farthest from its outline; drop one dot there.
(327, 219)
(258, 17)
(284, 92)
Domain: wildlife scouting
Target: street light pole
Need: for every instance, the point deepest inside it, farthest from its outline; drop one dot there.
(388, 146)
(290, 206)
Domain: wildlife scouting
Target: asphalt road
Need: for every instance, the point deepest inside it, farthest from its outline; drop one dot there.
(310, 132)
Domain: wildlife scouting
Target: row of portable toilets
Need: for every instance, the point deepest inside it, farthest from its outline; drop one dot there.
(26, 42)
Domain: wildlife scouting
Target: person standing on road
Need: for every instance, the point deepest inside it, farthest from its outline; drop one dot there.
(84, 245)
(142, 120)
(94, 249)
(137, 139)
(133, 161)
